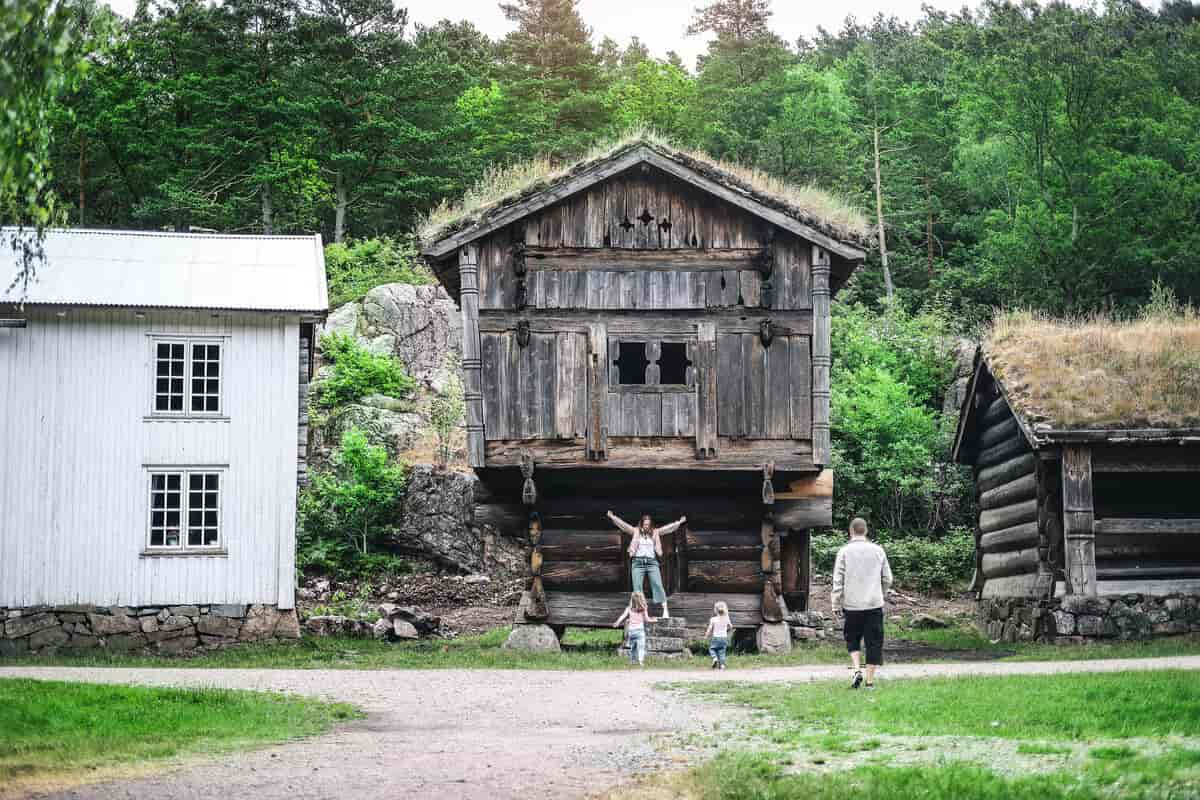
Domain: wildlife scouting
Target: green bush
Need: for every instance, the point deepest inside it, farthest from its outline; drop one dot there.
(357, 372)
(890, 440)
(355, 268)
(346, 513)
(917, 562)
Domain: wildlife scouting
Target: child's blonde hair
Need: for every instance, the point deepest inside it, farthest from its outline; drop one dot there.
(637, 601)
(720, 608)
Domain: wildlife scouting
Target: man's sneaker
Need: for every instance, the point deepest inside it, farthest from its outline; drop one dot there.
(858, 679)
(722, 666)
(715, 663)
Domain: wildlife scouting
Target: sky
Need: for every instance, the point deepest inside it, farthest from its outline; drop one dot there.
(660, 24)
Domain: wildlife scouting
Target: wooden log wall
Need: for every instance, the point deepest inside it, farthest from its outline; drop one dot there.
(1147, 513)
(1007, 480)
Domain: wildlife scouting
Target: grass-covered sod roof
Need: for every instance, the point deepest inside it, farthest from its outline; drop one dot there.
(1099, 373)
(502, 187)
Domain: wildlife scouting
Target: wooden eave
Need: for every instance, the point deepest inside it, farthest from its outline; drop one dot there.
(438, 252)
(966, 413)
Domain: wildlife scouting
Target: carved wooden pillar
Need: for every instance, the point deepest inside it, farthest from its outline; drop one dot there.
(537, 591)
(706, 390)
(597, 427)
(468, 271)
(1079, 516)
(773, 606)
(821, 360)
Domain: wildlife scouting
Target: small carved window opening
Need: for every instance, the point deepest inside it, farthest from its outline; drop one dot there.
(631, 363)
(673, 363)
(646, 217)
(625, 223)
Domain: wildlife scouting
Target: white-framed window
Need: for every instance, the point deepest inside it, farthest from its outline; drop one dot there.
(187, 376)
(185, 508)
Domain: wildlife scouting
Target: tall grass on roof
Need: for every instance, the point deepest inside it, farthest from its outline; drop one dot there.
(502, 185)
(1099, 372)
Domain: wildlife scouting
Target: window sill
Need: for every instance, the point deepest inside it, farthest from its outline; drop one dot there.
(184, 553)
(651, 388)
(184, 418)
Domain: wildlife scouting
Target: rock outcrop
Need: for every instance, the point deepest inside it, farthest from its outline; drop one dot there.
(437, 522)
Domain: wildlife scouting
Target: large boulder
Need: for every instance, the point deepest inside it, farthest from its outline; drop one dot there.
(420, 325)
(437, 521)
(774, 637)
(964, 365)
(395, 430)
(533, 639)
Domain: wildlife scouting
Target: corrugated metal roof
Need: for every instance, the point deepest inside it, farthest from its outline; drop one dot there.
(172, 270)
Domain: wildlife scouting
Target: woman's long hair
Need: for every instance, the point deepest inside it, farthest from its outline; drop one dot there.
(646, 525)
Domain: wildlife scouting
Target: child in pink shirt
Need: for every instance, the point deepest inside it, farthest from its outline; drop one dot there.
(635, 616)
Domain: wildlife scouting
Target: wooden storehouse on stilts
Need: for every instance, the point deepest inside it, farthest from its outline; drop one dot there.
(648, 332)
(1085, 443)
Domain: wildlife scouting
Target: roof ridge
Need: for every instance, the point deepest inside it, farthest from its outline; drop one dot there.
(164, 234)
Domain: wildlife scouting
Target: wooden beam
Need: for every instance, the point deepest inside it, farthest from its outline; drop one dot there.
(1005, 429)
(626, 259)
(1022, 488)
(809, 512)
(1146, 526)
(630, 452)
(723, 545)
(821, 357)
(1148, 587)
(468, 271)
(1118, 573)
(995, 411)
(996, 519)
(819, 485)
(1001, 451)
(1006, 471)
(682, 322)
(1013, 562)
(1151, 458)
(583, 574)
(1078, 519)
(1016, 537)
(563, 545)
(725, 576)
(1011, 586)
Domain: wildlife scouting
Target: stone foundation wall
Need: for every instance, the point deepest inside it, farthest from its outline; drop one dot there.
(162, 629)
(1079, 618)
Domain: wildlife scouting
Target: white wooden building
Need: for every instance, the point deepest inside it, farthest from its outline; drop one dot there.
(151, 405)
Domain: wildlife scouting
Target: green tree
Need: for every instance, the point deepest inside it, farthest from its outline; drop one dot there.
(355, 503)
(43, 47)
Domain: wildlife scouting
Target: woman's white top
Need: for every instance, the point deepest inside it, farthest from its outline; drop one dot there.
(645, 547)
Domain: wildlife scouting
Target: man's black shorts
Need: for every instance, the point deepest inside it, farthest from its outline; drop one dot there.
(865, 627)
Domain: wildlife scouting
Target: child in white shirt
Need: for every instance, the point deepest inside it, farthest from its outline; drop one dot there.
(718, 632)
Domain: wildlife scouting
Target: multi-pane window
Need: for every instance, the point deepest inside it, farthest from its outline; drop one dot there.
(187, 377)
(185, 509)
(206, 378)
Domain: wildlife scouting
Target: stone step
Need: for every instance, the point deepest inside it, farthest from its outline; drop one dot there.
(664, 644)
(623, 652)
(673, 626)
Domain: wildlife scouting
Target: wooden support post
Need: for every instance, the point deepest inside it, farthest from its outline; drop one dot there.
(681, 559)
(537, 608)
(1046, 490)
(706, 390)
(773, 606)
(597, 427)
(821, 359)
(1079, 519)
(468, 271)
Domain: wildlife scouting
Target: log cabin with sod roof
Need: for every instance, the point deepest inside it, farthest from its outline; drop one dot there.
(647, 331)
(152, 421)
(1085, 442)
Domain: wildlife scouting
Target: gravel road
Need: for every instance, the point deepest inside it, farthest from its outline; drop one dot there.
(489, 734)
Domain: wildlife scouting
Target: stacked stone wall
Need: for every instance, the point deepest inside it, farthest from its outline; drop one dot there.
(162, 629)
(1079, 618)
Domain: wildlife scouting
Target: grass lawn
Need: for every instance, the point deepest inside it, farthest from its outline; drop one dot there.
(53, 732)
(1133, 734)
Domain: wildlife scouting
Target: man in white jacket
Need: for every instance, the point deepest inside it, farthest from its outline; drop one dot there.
(861, 579)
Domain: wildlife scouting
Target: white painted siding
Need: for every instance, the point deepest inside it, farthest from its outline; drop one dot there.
(75, 442)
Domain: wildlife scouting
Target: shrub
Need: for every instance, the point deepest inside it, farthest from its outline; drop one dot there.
(345, 513)
(355, 268)
(446, 415)
(917, 562)
(357, 372)
(890, 440)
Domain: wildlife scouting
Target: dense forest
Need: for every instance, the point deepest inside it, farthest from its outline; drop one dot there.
(1031, 155)
(1015, 154)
